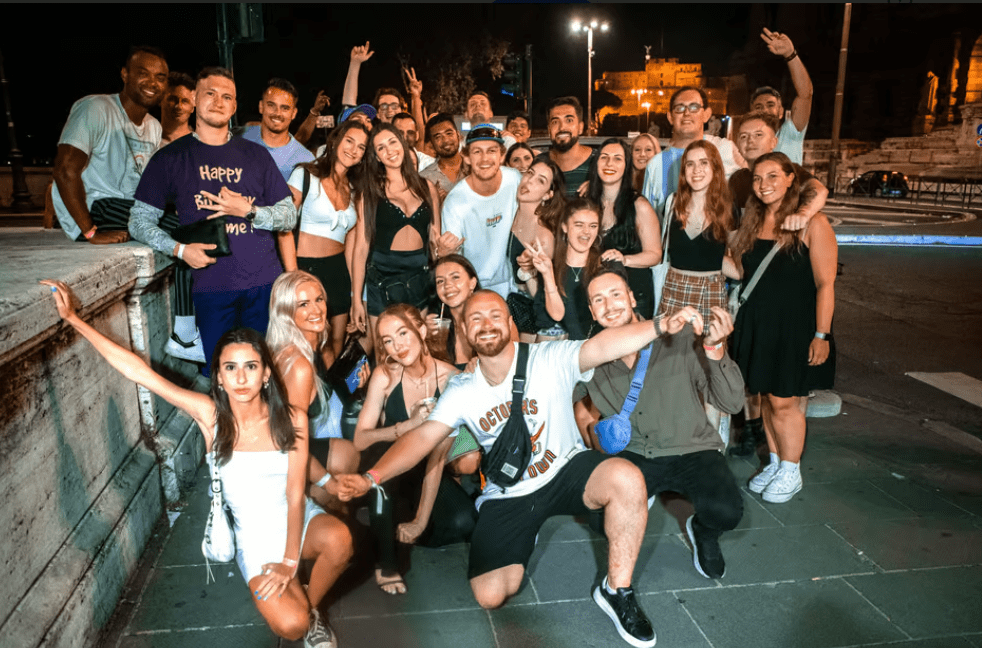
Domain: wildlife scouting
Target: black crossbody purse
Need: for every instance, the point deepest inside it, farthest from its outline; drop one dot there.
(511, 453)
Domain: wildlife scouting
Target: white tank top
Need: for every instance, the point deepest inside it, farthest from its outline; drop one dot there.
(318, 215)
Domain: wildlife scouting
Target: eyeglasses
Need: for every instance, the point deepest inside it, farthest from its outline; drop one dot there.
(681, 108)
(389, 106)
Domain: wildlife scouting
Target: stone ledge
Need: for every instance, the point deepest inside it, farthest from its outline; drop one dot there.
(97, 273)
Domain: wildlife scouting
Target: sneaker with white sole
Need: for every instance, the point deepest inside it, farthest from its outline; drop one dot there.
(628, 617)
(783, 487)
(706, 554)
(319, 634)
(764, 477)
(190, 351)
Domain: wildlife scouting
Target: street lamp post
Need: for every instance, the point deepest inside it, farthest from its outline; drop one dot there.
(588, 28)
(647, 109)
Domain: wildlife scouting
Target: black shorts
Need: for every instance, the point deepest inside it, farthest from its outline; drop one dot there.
(333, 273)
(398, 278)
(506, 528)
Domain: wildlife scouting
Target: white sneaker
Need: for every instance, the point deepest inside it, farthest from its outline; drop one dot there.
(190, 351)
(783, 487)
(319, 634)
(763, 478)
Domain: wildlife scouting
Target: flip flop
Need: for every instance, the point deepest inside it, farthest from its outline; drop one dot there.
(392, 585)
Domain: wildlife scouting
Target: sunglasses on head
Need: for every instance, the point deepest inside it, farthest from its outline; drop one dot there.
(484, 132)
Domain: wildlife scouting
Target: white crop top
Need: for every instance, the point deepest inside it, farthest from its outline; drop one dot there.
(319, 217)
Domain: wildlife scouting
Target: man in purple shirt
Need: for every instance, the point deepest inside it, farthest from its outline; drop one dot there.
(208, 175)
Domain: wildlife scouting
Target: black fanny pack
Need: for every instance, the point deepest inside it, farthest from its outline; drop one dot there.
(409, 287)
(511, 453)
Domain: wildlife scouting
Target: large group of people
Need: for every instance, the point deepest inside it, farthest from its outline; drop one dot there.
(473, 273)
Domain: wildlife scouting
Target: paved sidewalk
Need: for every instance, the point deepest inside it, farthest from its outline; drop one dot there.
(882, 547)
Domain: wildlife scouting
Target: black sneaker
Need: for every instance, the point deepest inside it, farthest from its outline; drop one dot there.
(627, 615)
(706, 554)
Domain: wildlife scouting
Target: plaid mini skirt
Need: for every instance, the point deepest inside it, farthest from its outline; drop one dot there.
(702, 293)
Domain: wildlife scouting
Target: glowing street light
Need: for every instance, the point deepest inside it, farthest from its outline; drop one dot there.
(577, 27)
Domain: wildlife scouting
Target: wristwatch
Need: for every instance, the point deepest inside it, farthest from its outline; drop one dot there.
(251, 216)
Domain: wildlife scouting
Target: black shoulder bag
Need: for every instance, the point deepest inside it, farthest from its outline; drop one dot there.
(508, 458)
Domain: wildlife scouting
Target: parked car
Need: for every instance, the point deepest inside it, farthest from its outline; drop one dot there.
(892, 184)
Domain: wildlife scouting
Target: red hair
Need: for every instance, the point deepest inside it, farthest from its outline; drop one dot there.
(719, 205)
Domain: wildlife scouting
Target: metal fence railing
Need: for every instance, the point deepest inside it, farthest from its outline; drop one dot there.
(966, 192)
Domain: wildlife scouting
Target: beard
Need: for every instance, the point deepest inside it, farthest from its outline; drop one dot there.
(490, 348)
(568, 145)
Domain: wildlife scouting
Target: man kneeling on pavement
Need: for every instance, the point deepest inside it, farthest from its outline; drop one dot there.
(671, 440)
(563, 477)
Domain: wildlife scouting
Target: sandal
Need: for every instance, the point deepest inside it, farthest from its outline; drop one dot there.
(390, 584)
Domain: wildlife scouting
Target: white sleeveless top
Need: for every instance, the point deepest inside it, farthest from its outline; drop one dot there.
(318, 216)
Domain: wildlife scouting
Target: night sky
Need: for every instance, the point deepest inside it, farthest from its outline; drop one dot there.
(56, 54)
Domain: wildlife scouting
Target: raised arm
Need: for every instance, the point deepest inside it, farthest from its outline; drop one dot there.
(306, 129)
(801, 107)
(132, 366)
(416, 104)
(359, 54)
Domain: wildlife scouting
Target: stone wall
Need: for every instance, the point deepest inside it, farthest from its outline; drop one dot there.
(38, 179)
(950, 152)
(81, 448)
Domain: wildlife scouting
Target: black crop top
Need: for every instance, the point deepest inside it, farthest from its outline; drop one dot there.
(395, 404)
(390, 219)
(700, 254)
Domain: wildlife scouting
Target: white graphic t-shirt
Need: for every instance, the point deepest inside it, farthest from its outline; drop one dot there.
(118, 152)
(553, 371)
(485, 222)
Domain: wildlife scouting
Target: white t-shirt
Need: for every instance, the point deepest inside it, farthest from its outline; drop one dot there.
(318, 215)
(423, 160)
(118, 152)
(661, 176)
(791, 142)
(485, 222)
(552, 373)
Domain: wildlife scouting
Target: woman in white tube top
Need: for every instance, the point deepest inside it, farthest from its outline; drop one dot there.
(327, 217)
(260, 445)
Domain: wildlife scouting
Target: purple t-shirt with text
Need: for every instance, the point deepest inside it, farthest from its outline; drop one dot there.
(180, 171)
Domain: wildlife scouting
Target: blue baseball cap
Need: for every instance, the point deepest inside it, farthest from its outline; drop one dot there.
(367, 109)
(484, 132)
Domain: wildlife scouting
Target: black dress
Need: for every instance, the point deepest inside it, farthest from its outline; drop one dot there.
(624, 238)
(776, 325)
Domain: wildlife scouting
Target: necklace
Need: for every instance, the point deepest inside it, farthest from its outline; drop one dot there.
(576, 273)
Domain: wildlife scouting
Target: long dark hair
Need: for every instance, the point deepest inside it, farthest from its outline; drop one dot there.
(624, 234)
(718, 209)
(273, 394)
(463, 262)
(373, 179)
(752, 222)
(325, 166)
(559, 265)
(551, 211)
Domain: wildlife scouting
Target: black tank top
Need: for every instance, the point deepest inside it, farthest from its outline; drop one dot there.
(395, 404)
(390, 219)
(700, 254)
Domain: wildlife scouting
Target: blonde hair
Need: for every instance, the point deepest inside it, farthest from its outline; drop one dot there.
(283, 332)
